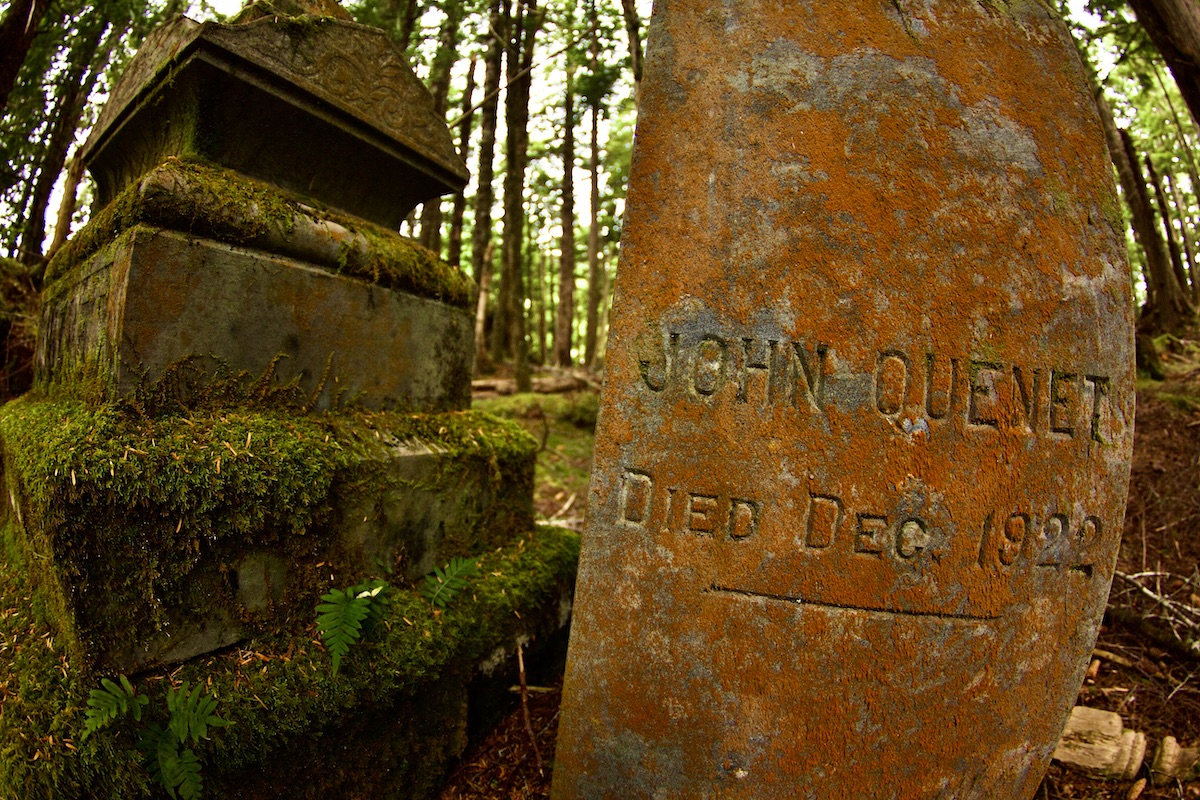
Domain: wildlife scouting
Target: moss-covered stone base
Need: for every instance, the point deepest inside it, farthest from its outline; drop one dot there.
(386, 726)
(157, 539)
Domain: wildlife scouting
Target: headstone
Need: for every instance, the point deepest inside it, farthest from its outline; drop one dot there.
(863, 449)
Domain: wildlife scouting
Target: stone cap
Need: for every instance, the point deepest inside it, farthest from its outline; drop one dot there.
(316, 105)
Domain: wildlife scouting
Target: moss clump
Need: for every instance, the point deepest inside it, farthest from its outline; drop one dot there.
(130, 517)
(278, 690)
(196, 197)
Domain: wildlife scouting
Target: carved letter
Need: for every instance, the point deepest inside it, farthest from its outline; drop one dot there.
(824, 519)
(636, 494)
(982, 400)
(891, 382)
(712, 365)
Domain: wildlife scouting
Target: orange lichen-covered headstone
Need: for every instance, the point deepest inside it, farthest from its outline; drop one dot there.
(864, 445)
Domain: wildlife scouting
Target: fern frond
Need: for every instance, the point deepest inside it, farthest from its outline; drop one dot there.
(192, 713)
(109, 702)
(442, 585)
(340, 620)
(177, 769)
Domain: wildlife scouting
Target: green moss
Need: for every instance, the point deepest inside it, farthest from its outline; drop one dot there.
(200, 198)
(278, 689)
(128, 513)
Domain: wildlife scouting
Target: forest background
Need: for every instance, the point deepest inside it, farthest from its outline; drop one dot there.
(541, 96)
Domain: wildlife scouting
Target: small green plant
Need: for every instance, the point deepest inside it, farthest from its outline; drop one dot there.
(442, 585)
(110, 701)
(190, 713)
(340, 618)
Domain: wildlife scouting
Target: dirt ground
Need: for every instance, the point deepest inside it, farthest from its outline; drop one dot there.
(1139, 670)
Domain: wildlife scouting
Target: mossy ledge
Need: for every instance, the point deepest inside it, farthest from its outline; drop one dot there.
(133, 525)
(403, 687)
(193, 196)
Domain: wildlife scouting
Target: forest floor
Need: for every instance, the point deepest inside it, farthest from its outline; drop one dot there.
(1139, 668)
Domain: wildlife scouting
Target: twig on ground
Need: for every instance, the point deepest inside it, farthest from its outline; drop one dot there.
(525, 710)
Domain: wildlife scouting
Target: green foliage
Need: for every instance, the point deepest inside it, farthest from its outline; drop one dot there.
(340, 618)
(110, 701)
(279, 700)
(173, 766)
(191, 712)
(443, 584)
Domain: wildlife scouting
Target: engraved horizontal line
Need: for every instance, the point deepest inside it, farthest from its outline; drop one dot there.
(847, 607)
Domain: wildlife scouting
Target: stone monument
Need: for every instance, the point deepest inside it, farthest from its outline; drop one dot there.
(863, 450)
(251, 390)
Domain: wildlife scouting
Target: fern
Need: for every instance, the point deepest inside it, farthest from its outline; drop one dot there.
(442, 585)
(174, 766)
(109, 702)
(340, 618)
(192, 713)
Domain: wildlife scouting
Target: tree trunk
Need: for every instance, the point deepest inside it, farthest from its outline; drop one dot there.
(485, 197)
(1169, 301)
(595, 276)
(633, 26)
(1186, 236)
(87, 62)
(1164, 212)
(439, 87)
(17, 30)
(464, 145)
(1174, 27)
(482, 363)
(595, 279)
(565, 318)
(510, 331)
(68, 204)
(508, 334)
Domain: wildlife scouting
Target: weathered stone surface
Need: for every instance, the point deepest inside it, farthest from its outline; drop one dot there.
(864, 444)
(153, 299)
(158, 541)
(319, 106)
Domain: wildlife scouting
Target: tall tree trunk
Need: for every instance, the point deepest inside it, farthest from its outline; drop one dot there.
(565, 316)
(485, 197)
(87, 62)
(595, 279)
(633, 26)
(439, 87)
(1164, 212)
(510, 326)
(464, 146)
(68, 204)
(1186, 236)
(482, 364)
(1169, 301)
(1174, 27)
(536, 272)
(17, 29)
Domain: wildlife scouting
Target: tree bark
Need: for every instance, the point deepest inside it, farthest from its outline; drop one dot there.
(1164, 213)
(439, 87)
(485, 197)
(1186, 234)
(633, 24)
(88, 61)
(454, 256)
(17, 30)
(565, 317)
(1168, 300)
(1174, 27)
(595, 279)
(508, 334)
